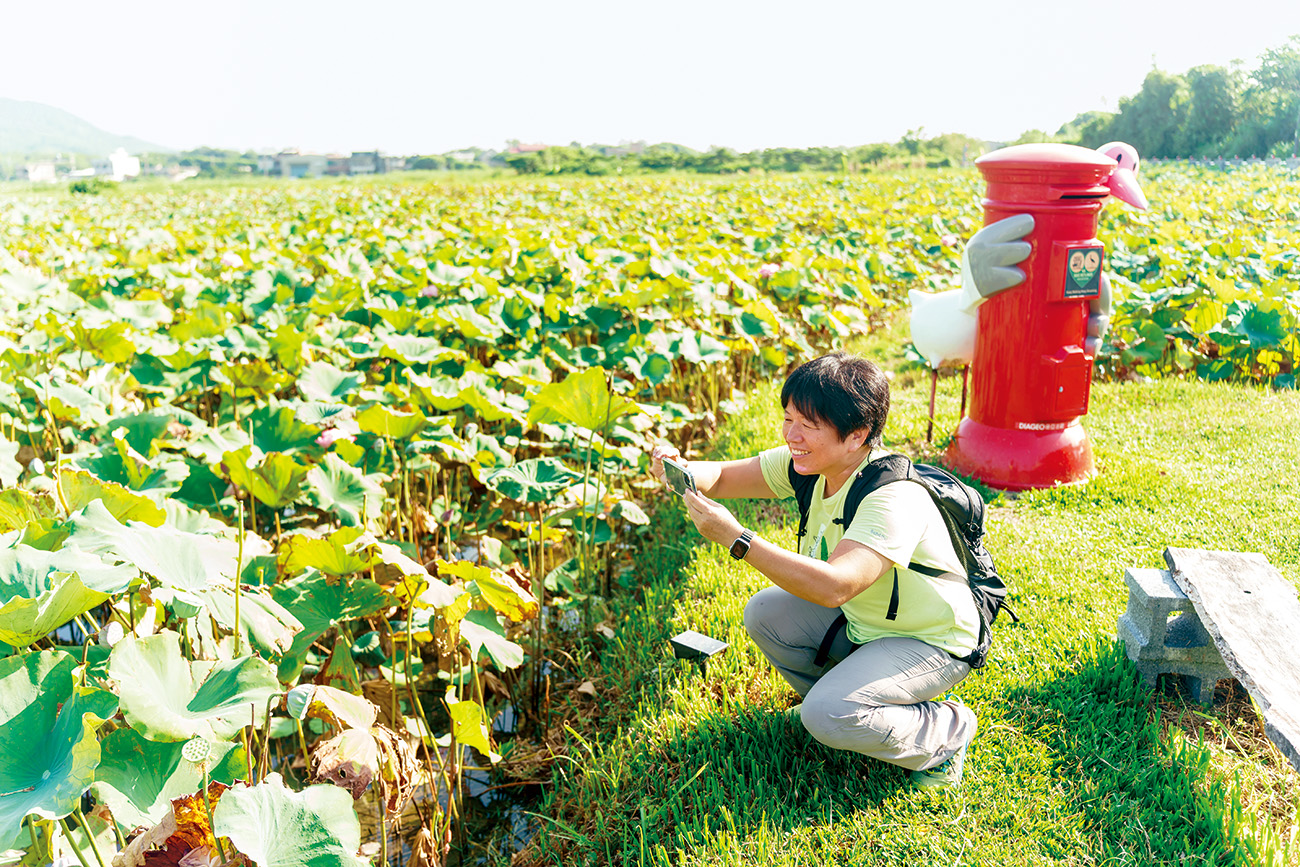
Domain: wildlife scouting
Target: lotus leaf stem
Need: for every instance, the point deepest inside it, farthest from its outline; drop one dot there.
(239, 568)
(207, 805)
(76, 850)
(94, 844)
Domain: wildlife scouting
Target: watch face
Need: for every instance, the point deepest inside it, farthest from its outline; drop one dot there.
(740, 547)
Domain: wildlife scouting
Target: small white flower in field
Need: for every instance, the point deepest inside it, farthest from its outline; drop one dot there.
(429, 291)
(333, 435)
(768, 270)
(950, 240)
(37, 466)
(231, 259)
(289, 511)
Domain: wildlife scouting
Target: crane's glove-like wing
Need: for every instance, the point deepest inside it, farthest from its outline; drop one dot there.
(1098, 318)
(988, 264)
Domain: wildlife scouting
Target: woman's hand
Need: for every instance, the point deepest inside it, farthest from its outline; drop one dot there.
(661, 451)
(712, 519)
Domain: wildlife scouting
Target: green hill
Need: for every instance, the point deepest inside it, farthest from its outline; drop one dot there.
(31, 128)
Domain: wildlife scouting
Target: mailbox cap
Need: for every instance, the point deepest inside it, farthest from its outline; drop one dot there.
(1058, 167)
(1047, 163)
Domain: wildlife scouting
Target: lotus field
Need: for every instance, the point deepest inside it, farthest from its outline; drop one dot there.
(309, 490)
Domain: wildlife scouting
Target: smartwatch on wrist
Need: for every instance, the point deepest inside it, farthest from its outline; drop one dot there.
(740, 547)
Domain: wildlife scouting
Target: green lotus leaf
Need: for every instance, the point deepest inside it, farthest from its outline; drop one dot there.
(81, 489)
(410, 349)
(10, 469)
(138, 778)
(277, 429)
(537, 480)
(337, 487)
(581, 398)
(391, 423)
(264, 624)
(19, 507)
(274, 479)
(167, 698)
(121, 464)
(698, 347)
(274, 826)
(483, 631)
(42, 590)
(319, 414)
(333, 706)
(318, 603)
(48, 748)
(1262, 328)
(177, 559)
(254, 377)
(146, 432)
(321, 381)
(493, 405)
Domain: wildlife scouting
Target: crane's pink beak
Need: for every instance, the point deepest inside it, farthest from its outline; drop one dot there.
(1123, 184)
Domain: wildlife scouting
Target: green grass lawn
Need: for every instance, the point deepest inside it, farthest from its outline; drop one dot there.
(1075, 762)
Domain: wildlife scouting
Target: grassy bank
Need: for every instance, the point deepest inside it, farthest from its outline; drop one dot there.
(1075, 763)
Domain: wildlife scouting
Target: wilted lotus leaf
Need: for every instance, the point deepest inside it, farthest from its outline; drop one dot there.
(335, 486)
(274, 478)
(469, 724)
(499, 588)
(168, 698)
(349, 760)
(583, 398)
(81, 489)
(336, 554)
(40, 590)
(48, 748)
(183, 831)
(139, 778)
(337, 708)
(391, 423)
(18, 507)
(275, 827)
(537, 480)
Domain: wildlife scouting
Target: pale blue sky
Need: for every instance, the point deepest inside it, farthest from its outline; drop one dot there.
(426, 77)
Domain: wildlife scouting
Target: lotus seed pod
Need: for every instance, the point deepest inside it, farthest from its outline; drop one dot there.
(196, 750)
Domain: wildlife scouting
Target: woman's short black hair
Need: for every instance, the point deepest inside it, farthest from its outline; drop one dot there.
(845, 391)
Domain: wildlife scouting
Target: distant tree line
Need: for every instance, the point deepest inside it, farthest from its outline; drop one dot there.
(1207, 111)
(914, 149)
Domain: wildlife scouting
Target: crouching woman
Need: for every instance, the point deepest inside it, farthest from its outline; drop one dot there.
(882, 689)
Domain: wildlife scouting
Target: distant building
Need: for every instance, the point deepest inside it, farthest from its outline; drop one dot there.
(117, 166)
(42, 172)
(294, 164)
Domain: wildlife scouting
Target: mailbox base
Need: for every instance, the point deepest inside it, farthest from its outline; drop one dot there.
(1018, 459)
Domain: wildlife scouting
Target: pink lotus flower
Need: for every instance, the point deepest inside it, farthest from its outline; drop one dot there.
(333, 435)
(950, 240)
(231, 259)
(429, 291)
(768, 270)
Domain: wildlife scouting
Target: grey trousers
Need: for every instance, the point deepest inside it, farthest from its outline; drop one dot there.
(878, 699)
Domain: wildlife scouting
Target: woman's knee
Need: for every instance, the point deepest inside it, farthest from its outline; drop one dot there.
(840, 724)
(763, 609)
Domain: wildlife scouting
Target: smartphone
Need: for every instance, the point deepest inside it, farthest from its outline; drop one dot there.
(678, 477)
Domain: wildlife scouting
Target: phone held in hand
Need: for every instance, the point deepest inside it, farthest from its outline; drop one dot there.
(678, 477)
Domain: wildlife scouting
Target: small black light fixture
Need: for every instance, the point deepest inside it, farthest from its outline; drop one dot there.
(696, 647)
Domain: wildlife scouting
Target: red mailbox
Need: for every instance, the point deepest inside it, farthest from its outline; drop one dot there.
(1031, 373)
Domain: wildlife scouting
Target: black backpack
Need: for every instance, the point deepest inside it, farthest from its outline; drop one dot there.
(962, 509)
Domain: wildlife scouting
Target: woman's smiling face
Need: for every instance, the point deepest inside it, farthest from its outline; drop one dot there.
(816, 447)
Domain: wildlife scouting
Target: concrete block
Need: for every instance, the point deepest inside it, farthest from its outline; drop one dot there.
(1163, 634)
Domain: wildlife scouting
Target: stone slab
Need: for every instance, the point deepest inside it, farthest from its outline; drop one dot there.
(1253, 615)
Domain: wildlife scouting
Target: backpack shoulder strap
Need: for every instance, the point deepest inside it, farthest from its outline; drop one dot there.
(877, 474)
(803, 494)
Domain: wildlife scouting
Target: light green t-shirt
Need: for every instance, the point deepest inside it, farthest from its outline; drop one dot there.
(901, 523)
